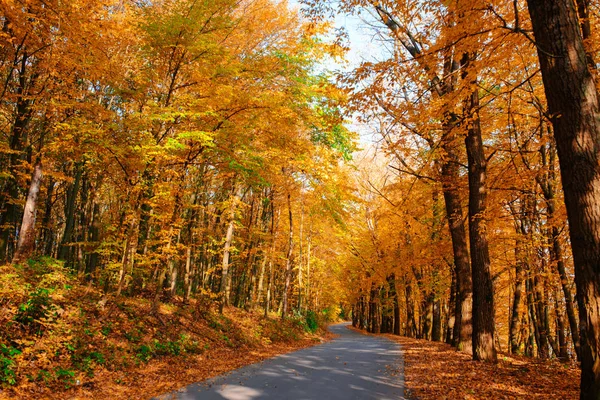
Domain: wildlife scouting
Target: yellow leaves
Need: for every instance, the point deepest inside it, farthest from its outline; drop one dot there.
(201, 137)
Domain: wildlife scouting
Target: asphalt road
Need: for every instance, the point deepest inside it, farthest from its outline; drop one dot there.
(352, 366)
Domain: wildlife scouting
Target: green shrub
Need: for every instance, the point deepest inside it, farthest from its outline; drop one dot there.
(167, 348)
(65, 376)
(106, 329)
(134, 336)
(36, 308)
(331, 314)
(44, 376)
(7, 364)
(312, 323)
(87, 361)
(184, 344)
(189, 345)
(144, 353)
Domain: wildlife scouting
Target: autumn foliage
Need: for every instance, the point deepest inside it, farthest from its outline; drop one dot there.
(175, 154)
(192, 154)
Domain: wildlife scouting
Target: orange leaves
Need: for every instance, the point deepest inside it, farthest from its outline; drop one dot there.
(437, 371)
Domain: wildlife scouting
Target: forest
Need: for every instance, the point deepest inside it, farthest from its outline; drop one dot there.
(175, 160)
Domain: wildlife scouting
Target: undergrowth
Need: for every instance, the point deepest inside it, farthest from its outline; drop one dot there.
(57, 333)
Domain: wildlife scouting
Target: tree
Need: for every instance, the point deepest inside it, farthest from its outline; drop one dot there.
(574, 110)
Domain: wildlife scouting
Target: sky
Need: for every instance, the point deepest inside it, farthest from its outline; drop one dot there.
(365, 44)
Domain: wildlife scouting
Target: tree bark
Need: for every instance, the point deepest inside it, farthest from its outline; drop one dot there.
(396, 303)
(483, 290)
(72, 192)
(516, 303)
(436, 331)
(288, 261)
(548, 187)
(9, 190)
(464, 297)
(573, 105)
(410, 329)
(95, 239)
(27, 232)
(450, 309)
(225, 287)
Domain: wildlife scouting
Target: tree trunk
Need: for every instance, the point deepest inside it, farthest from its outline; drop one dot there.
(27, 231)
(411, 328)
(225, 287)
(374, 326)
(427, 315)
(72, 191)
(9, 191)
(464, 297)
(261, 278)
(450, 181)
(483, 290)
(274, 230)
(187, 277)
(556, 252)
(126, 258)
(573, 104)
(95, 238)
(533, 317)
(450, 309)
(563, 353)
(547, 184)
(436, 331)
(47, 242)
(300, 259)
(396, 302)
(288, 262)
(516, 303)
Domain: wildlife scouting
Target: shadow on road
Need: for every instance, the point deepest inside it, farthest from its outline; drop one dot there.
(352, 366)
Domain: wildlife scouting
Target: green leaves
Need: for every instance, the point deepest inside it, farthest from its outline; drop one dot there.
(7, 364)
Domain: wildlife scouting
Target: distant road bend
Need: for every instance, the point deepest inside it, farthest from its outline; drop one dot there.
(350, 367)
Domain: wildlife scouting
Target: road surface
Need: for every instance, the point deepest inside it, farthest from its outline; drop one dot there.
(352, 366)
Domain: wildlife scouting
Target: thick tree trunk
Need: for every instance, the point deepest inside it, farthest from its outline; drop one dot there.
(483, 290)
(573, 104)
(464, 298)
(450, 182)
(27, 231)
(450, 187)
